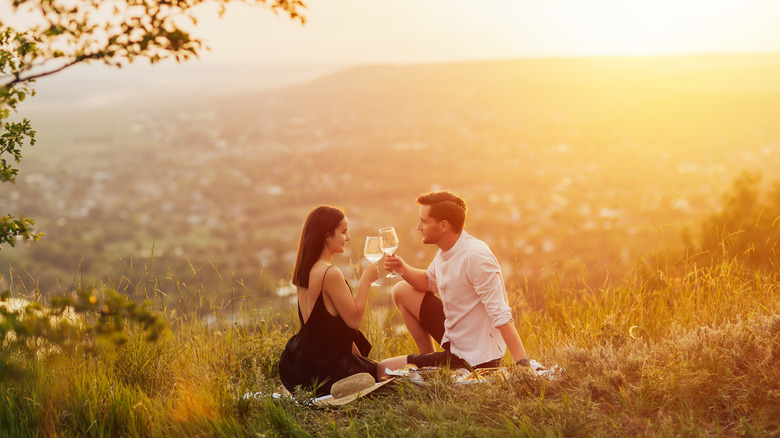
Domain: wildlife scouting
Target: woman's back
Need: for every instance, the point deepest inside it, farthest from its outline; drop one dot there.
(321, 351)
(307, 297)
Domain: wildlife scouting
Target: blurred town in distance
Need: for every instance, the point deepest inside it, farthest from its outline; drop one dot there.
(573, 169)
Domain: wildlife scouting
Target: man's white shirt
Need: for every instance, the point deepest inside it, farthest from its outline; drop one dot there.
(468, 279)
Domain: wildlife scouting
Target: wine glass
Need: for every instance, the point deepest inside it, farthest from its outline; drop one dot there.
(372, 251)
(389, 243)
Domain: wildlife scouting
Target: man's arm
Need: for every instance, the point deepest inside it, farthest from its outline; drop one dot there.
(416, 277)
(484, 274)
(513, 341)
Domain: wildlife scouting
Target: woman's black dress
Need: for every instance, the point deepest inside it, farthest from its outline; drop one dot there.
(321, 352)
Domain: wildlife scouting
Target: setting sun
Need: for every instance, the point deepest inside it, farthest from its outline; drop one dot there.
(615, 27)
(631, 28)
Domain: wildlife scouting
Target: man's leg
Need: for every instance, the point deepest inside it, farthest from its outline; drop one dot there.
(408, 300)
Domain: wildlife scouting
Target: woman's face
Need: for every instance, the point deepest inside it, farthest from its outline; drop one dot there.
(339, 238)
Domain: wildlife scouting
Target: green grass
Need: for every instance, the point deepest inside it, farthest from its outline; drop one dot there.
(689, 354)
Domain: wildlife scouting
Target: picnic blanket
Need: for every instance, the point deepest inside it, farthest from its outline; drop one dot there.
(344, 391)
(466, 376)
(460, 376)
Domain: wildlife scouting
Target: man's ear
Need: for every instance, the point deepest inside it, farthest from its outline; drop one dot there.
(445, 225)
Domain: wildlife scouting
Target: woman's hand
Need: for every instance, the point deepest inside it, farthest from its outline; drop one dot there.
(370, 274)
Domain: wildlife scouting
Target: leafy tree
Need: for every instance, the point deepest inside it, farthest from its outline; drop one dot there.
(114, 32)
(748, 226)
(67, 33)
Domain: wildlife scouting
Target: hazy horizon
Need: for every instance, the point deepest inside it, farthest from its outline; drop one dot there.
(266, 51)
(96, 85)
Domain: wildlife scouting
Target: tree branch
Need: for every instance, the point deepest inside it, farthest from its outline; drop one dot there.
(19, 80)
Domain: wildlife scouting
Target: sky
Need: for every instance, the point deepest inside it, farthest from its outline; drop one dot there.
(343, 33)
(412, 31)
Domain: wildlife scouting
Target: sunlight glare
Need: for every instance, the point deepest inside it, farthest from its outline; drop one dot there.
(616, 27)
(620, 27)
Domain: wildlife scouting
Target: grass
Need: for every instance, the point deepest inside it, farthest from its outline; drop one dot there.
(689, 354)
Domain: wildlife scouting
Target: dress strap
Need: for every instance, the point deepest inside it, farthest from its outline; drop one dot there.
(322, 286)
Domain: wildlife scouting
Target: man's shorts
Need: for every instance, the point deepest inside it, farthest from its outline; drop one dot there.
(432, 320)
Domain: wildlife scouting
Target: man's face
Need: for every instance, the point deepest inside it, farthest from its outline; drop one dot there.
(431, 229)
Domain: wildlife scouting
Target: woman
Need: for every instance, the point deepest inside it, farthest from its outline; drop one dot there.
(328, 347)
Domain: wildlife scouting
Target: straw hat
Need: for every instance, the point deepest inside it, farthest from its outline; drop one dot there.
(350, 388)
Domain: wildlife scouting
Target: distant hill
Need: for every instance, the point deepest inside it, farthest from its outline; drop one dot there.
(703, 90)
(97, 86)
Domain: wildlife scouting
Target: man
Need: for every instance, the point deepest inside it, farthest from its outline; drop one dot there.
(470, 318)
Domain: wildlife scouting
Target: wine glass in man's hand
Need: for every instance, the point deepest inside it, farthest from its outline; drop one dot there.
(389, 242)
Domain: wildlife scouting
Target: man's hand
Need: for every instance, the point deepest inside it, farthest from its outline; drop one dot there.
(413, 276)
(395, 263)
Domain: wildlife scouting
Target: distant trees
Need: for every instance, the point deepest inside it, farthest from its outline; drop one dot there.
(748, 226)
(67, 33)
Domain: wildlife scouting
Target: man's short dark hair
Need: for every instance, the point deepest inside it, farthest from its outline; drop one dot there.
(445, 205)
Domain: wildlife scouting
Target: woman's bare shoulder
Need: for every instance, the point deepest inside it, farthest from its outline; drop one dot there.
(330, 274)
(333, 274)
(334, 278)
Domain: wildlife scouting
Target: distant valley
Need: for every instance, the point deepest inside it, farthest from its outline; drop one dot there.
(566, 163)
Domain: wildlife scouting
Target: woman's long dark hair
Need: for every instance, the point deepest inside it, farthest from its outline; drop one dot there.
(320, 224)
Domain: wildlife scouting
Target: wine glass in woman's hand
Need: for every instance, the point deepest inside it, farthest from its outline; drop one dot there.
(389, 242)
(372, 251)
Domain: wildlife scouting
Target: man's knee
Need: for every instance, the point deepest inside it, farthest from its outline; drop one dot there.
(402, 293)
(398, 291)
